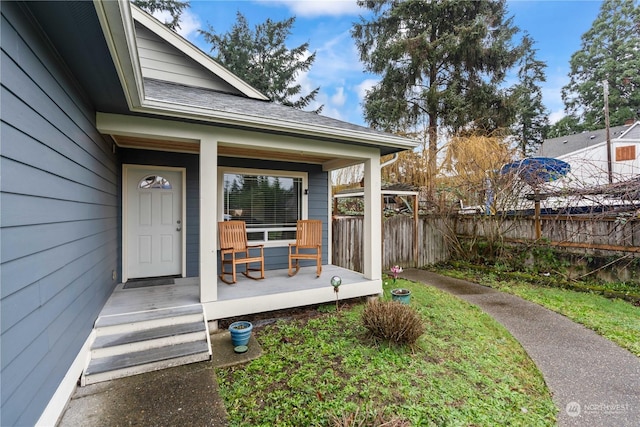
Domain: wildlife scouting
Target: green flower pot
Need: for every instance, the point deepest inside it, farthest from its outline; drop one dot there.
(401, 295)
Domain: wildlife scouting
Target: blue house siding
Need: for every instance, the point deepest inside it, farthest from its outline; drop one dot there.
(60, 222)
(192, 164)
(318, 180)
(275, 258)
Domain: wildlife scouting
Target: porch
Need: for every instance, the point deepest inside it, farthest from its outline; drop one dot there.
(277, 291)
(156, 325)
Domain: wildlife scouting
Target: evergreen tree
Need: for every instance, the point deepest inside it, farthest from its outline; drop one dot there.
(610, 52)
(261, 58)
(441, 62)
(531, 122)
(174, 7)
(568, 125)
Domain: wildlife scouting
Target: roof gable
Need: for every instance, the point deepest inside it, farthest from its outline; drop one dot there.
(165, 55)
(195, 103)
(162, 61)
(633, 132)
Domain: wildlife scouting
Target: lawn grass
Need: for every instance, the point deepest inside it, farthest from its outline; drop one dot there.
(615, 319)
(465, 370)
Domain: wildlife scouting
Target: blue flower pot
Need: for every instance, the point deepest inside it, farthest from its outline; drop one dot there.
(240, 332)
(401, 295)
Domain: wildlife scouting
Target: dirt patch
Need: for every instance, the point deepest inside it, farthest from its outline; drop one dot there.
(260, 320)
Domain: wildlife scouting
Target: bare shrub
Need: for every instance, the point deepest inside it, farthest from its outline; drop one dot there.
(392, 321)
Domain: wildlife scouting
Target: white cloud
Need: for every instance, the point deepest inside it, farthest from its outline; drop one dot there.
(162, 16)
(338, 99)
(552, 92)
(329, 111)
(555, 116)
(364, 86)
(189, 25)
(312, 8)
(189, 22)
(336, 59)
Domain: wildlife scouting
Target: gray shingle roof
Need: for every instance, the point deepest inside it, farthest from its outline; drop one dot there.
(224, 102)
(556, 147)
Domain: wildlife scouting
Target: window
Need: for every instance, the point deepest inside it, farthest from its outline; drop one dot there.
(269, 202)
(625, 153)
(154, 181)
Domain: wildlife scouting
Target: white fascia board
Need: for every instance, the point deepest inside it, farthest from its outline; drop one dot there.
(119, 32)
(194, 53)
(637, 123)
(339, 164)
(262, 123)
(117, 124)
(294, 145)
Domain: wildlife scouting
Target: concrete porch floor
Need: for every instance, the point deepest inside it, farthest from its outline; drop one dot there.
(277, 283)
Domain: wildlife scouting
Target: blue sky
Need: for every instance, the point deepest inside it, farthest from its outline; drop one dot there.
(556, 26)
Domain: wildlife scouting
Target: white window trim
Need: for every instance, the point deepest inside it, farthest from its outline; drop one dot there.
(222, 170)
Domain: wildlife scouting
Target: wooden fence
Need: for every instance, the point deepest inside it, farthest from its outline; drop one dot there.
(590, 234)
(405, 243)
(411, 244)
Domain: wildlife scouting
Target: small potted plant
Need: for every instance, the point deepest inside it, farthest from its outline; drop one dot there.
(240, 332)
(401, 295)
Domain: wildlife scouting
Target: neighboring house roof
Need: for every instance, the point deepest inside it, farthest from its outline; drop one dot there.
(556, 147)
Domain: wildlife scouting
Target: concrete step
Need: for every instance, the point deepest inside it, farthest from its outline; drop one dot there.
(129, 342)
(134, 343)
(144, 320)
(108, 368)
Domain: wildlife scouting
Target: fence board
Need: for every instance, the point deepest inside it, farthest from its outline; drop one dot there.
(605, 235)
(398, 242)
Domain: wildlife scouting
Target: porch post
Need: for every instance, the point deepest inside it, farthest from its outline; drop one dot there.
(208, 218)
(372, 228)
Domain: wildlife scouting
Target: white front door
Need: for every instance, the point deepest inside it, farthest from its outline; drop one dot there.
(154, 222)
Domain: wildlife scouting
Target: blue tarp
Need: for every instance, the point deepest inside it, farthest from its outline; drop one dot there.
(536, 170)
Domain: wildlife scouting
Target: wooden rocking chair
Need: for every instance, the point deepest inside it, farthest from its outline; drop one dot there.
(233, 242)
(309, 240)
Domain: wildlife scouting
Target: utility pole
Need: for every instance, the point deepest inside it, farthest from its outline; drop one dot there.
(605, 85)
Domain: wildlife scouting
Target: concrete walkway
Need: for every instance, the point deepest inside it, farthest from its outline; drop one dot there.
(181, 396)
(593, 381)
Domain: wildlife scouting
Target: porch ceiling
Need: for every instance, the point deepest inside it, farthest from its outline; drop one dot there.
(225, 150)
(156, 144)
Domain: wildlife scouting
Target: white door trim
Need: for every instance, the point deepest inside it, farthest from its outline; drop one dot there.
(183, 202)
